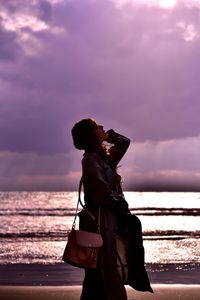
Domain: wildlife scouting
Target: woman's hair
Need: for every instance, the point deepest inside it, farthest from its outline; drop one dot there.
(85, 137)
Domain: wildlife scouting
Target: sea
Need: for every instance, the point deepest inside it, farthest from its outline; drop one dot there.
(34, 226)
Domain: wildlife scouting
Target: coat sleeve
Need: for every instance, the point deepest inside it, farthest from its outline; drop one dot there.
(97, 188)
(119, 148)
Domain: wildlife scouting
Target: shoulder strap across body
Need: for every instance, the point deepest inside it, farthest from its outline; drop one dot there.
(85, 208)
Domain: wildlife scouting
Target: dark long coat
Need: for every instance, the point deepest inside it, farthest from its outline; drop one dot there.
(102, 189)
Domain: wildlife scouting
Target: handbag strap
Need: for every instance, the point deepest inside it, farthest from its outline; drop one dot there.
(99, 220)
(84, 207)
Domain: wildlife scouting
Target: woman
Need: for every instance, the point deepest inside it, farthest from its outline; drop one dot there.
(102, 188)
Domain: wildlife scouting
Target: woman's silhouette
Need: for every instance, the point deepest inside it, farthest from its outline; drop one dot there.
(102, 187)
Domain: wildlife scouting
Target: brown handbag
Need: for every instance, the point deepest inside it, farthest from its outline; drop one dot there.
(82, 247)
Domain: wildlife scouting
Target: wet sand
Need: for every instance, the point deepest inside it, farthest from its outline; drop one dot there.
(63, 274)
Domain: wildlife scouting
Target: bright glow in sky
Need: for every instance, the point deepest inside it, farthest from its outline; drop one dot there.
(161, 3)
(167, 3)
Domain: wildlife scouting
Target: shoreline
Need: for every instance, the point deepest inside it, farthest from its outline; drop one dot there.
(161, 292)
(63, 274)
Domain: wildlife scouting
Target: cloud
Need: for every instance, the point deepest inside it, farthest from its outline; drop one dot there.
(163, 165)
(133, 67)
(30, 171)
(171, 165)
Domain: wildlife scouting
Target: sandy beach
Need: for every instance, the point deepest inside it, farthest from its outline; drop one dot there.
(164, 292)
(63, 282)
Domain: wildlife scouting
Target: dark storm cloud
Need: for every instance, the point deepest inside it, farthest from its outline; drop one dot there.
(45, 11)
(9, 48)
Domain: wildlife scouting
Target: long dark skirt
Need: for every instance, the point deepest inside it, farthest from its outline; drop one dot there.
(104, 282)
(95, 288)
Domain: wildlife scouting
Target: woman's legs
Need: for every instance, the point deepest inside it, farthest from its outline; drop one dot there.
(117, 290)
(93, 287)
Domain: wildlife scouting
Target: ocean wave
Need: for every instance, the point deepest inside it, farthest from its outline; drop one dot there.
(157, 234)
(145, 211)
(38, 212)
(160, 211)
(23, 235)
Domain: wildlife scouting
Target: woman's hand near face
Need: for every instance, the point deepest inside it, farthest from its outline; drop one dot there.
(110, 135)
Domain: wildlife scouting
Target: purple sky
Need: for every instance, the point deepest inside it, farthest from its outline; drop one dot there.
(132, 65)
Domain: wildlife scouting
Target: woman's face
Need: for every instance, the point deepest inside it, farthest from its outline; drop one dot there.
(100, 133)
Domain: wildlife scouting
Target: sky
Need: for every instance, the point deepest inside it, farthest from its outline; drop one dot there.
(133, 65)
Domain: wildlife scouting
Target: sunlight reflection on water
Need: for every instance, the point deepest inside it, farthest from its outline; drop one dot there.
(34, 226)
